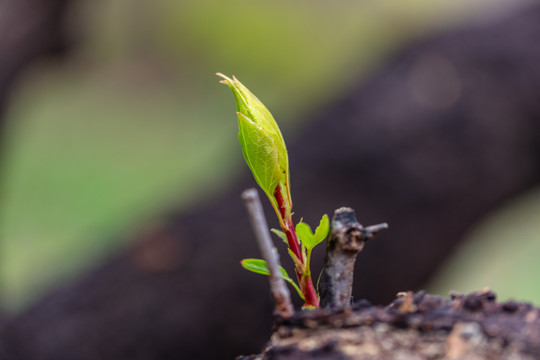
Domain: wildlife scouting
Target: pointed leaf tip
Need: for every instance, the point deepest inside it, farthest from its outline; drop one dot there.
(226, 80)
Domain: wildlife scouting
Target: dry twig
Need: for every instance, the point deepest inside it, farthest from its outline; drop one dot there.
(278, 288)
(347, 238)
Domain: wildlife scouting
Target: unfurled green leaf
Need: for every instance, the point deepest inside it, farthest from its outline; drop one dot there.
(259, 266)
(281, 235)
(321, 232)
(306, 235)
(262, 143)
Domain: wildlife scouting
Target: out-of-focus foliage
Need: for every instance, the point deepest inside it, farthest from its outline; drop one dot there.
(131, 123)
(501, 253)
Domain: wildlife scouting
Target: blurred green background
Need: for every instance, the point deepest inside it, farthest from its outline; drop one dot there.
(134, 123)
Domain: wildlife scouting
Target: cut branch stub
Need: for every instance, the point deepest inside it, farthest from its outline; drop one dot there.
(346, 239)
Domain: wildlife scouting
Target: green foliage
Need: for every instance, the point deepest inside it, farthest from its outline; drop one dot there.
(308, 238)
(259, 266)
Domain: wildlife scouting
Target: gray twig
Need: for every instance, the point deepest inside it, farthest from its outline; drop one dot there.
(347, 238)
(278, 288)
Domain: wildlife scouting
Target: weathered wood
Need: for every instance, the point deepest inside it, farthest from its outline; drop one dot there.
(346, 239)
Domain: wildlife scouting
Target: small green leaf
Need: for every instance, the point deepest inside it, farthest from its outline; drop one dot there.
(307, 237)
(321, 232)
(259, 266)
(281, 235)
(305, 234)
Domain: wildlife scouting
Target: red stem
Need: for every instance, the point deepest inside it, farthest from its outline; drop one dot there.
(306, 284)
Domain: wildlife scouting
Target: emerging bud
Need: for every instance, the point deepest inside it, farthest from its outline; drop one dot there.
(262, 143)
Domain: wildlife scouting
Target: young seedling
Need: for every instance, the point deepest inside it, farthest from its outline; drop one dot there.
(266, 155)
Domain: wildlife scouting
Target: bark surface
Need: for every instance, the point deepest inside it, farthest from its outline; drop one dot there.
(414, 326)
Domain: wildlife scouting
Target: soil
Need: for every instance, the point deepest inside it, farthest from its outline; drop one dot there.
(414, 326)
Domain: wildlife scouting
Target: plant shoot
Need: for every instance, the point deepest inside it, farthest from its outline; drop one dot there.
(266, 155)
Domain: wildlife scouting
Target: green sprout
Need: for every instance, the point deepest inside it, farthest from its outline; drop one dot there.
(266, 155)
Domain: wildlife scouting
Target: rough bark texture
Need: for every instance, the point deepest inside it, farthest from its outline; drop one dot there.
(344, 242)
(346, 239)
(414, 326)
(444, 132)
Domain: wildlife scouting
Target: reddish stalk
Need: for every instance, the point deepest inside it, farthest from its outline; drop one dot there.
(303, 275)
